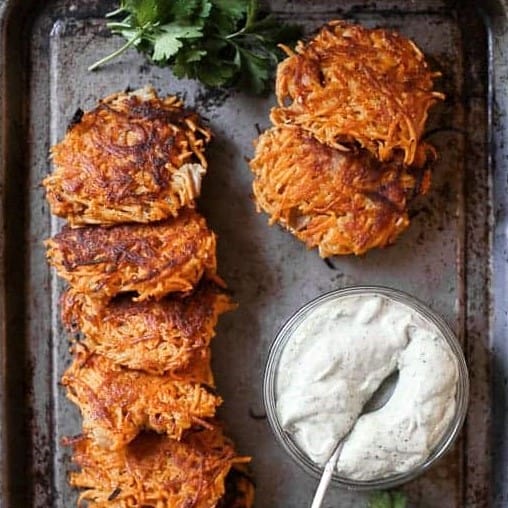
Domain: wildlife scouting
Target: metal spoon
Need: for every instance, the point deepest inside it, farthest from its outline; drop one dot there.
(377, 400)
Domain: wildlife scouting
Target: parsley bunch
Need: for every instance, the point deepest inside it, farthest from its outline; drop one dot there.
(218, 42)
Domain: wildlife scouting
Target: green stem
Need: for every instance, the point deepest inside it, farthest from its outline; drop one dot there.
(118, 52)
(249, 21)
(118, 26)
(235, 34)
(114, 13)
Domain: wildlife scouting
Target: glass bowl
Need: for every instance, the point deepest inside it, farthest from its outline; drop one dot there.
(270, 383)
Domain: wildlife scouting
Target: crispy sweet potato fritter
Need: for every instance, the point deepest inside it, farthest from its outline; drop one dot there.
(350, 84)
(134, 158)
(341, 202)
(155, 471)
(117, 403)
(149, 259)
(154, 336)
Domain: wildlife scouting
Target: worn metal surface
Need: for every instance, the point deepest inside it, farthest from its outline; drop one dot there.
(452, 258)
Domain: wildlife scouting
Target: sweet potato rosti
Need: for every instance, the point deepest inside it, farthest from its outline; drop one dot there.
(353, 85)
(117, 403)
(340, 202)
(154, 336)
(151, 260)
(134, 158)
(155, 471)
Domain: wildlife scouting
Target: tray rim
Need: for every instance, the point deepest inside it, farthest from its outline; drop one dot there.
(493, 11)
(498, 168)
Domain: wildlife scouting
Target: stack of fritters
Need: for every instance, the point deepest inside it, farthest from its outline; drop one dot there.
(144, 294)
(345, 156)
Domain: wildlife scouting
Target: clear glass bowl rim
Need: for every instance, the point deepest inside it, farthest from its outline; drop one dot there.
(270, 374)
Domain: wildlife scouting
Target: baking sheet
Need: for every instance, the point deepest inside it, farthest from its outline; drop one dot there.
(453, 257)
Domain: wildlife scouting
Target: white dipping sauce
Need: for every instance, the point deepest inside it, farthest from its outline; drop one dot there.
(337, 358)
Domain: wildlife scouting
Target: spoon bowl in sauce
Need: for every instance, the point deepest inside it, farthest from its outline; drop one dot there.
(378, 399)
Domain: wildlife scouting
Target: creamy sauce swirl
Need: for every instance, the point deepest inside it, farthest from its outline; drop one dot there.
(337, 358)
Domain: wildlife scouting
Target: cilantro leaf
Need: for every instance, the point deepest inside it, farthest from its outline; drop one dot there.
(216, 74)
(399, 500)
(145, 11)
(388, 500)
(255, 70)
(187, 10)
(167, 43)
(234, 9)
(380, 500)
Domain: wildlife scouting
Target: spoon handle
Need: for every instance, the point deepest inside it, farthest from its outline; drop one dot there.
(326, 476)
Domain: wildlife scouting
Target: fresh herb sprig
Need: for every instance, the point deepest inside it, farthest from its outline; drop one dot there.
(388, 499)
(218, 42)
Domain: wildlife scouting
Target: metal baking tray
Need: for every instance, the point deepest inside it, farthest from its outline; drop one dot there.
(454, 256)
